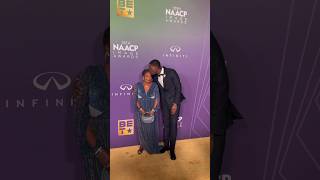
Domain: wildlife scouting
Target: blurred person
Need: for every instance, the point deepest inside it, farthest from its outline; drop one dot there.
(92, 114)
(224, 112)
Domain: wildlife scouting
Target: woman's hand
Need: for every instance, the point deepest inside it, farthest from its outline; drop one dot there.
(142, 110)
(151, 112)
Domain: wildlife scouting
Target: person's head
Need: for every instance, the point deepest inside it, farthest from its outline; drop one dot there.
(106, 45)
(146, 76)
(155, 66)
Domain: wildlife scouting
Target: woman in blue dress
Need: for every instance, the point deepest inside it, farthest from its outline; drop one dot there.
(92, 115)
(146, 113)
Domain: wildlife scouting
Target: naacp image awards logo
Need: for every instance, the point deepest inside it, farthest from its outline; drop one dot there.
(125, 50)
(176, 15)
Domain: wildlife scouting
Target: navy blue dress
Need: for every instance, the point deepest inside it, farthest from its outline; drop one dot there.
(148, 132)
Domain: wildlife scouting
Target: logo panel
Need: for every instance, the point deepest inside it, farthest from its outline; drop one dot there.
(125, 50)
(175, 51)
(176, 15)
(125, 8)
(44, 80)
(125, 127)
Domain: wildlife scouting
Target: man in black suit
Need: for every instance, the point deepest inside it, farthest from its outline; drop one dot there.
(224, 112)
(170, 100)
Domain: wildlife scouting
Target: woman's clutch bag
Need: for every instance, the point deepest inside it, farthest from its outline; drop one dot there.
(147, 118)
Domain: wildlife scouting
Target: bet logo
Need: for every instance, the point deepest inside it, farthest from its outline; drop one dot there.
(125, 127)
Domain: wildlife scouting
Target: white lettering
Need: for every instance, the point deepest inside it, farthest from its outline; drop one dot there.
(34, 102)
(59, 102)
(176, 12)
(47, 103)
(20, 103)
(121, 47)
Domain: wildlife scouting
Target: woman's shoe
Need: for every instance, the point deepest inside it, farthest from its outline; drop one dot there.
(140, 150)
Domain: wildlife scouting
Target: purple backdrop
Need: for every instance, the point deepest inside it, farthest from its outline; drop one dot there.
(36, 132)
(272, 50)
(183, 46)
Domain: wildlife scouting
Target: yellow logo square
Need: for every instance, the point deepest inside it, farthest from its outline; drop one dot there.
(125, 8)
(125, 127)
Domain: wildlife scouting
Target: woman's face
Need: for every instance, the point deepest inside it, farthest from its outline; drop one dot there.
(147, 77)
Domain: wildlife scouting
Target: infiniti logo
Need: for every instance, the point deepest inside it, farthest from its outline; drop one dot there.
(124, 87)
(125, 90)
(175, 48)
(60, 80)
(176, 52)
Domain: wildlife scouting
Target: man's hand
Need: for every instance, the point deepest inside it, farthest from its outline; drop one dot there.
(174, 108)
(103, 158)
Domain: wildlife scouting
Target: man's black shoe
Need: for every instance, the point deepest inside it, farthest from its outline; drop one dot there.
(172, 155)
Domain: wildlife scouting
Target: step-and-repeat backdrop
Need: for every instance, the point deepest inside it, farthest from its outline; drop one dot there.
(177, 34)
(273, 58)
(44, 45)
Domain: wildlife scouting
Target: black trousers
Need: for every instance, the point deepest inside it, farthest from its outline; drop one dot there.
(218, 150)
(170, 126)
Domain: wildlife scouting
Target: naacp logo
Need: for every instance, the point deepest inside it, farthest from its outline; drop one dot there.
(127, 87)
(175, 51)
(44, 80)
(176, 15)
(125, 50)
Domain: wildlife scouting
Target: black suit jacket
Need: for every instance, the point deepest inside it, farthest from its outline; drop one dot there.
(171, 93)
(224, 112)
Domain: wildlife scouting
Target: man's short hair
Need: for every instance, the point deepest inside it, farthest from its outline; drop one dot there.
(155, 62)
(106, 37)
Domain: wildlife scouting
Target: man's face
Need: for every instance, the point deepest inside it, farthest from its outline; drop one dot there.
(154, 69)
